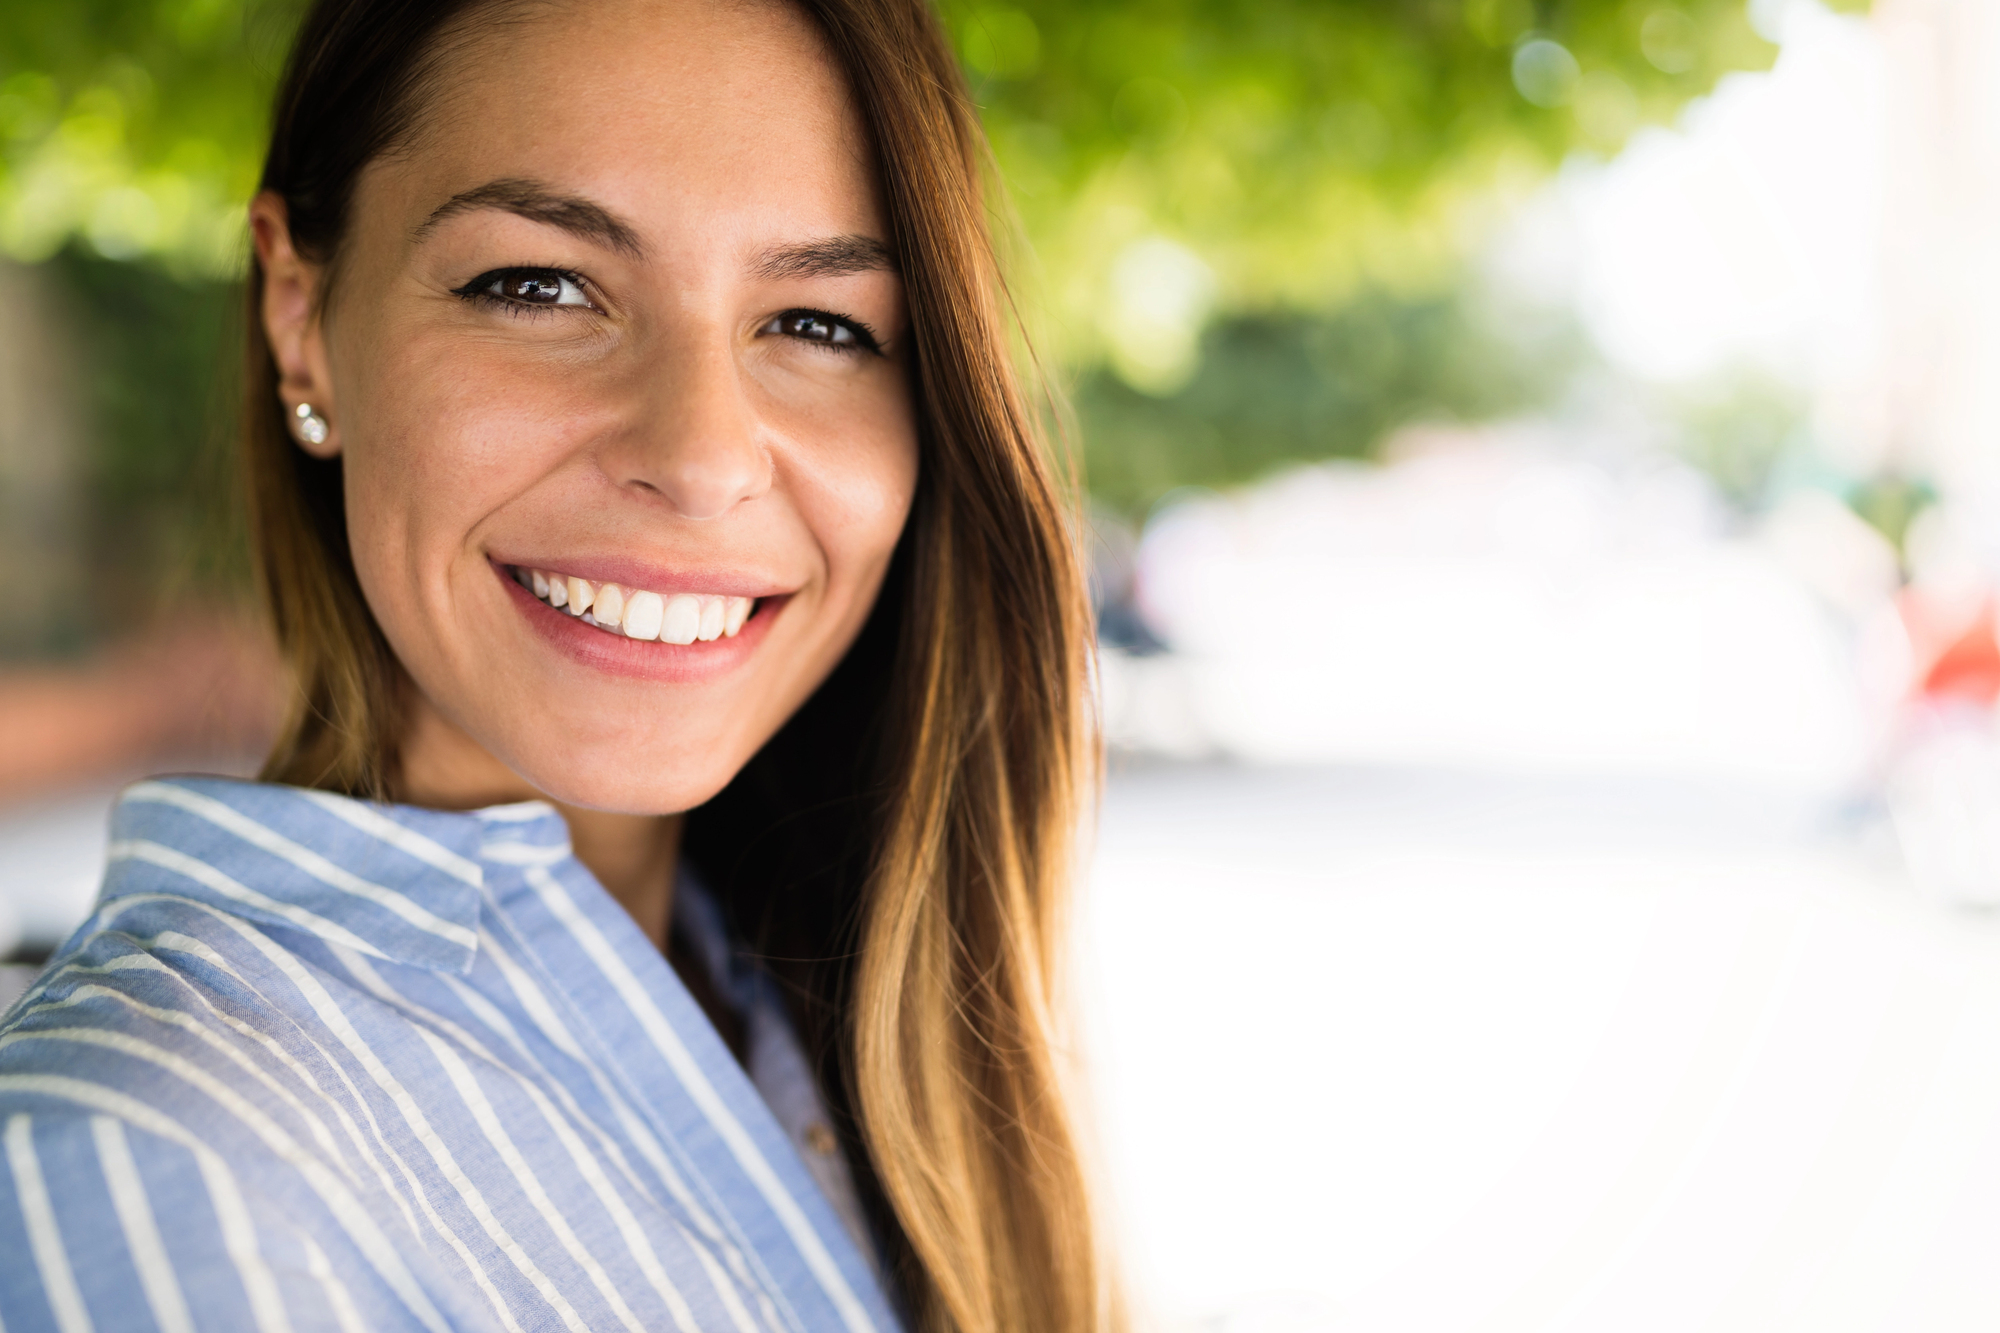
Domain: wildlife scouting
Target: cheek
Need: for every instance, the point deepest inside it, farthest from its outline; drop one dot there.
(855, 494)
(436, 442)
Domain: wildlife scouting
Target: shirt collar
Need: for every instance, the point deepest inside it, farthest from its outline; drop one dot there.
(395, 881)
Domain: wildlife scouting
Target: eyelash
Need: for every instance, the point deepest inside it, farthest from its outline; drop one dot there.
(864, 337)
(479, 292)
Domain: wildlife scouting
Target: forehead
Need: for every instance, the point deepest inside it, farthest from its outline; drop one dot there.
(658, 108)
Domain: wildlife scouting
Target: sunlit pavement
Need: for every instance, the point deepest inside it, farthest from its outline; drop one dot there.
(1389, 1050)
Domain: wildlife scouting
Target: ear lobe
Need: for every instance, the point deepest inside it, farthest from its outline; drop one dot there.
(292, 330)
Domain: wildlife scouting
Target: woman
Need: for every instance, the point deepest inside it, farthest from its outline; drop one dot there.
(650, 916)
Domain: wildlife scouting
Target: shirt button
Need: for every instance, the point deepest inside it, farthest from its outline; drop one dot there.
(820, 1139)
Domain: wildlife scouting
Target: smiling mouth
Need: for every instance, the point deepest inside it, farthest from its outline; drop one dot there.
(637, 613)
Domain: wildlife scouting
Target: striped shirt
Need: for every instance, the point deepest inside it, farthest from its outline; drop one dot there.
(318, 1063)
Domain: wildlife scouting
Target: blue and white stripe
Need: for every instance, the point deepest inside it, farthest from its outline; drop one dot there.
(316, 1063)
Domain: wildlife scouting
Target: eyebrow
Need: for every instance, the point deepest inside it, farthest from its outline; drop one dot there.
(827, 257)
(537, 203)
(830, 257)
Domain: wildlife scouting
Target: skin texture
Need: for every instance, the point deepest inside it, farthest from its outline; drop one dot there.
(666, 423)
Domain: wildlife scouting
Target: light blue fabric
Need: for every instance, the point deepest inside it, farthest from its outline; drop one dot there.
(317, 1063)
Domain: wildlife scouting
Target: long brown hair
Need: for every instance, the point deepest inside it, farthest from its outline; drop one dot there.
(902, 849)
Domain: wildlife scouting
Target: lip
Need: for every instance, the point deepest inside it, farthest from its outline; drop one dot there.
(613, 654)
(640, 576)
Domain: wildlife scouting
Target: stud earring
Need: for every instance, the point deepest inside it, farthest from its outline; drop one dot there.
(308, 424)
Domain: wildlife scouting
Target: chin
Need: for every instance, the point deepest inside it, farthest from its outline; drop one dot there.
(613, 780)
(615, 789)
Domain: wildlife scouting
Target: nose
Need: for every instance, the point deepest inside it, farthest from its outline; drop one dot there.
(694, 440)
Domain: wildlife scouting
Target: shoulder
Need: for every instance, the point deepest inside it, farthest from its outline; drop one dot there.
(105, 1222)
(171, 1144)
(155, 997)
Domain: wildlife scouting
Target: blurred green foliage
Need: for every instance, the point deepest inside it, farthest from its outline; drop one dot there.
(136, 125)
(1890, 503)
(1301, 151)
(1296, 148)
(1287, 386)
(1744, 429)
(1242, 225)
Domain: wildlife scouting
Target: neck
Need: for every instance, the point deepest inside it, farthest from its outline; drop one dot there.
(633, 856)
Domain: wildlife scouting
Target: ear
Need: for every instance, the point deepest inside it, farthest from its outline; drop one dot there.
(291, 320)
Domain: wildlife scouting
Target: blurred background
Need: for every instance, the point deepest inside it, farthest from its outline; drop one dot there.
(1543, 462)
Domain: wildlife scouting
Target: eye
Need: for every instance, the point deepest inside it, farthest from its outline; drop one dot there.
(828, 330)
(527, 287)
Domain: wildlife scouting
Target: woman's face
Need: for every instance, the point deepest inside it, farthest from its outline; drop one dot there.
(620, 316)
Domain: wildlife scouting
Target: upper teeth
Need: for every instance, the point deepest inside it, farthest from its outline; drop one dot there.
(681, 617)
